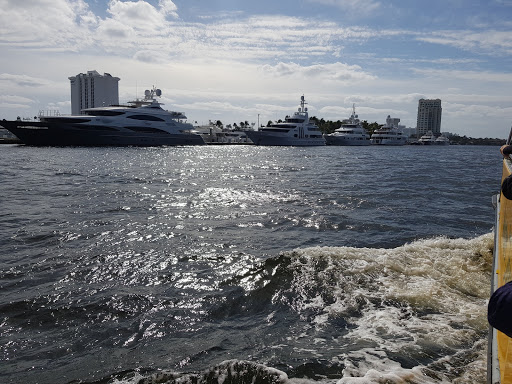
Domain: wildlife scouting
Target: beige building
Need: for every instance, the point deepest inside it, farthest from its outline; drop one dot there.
(429, 117)
(89, 90)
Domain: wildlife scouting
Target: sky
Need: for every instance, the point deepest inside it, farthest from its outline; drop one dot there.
(238, 61)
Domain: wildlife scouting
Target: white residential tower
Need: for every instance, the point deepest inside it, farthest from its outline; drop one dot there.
(93, 90)
(429, 117)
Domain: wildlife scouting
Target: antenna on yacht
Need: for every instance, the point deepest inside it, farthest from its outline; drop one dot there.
(302, 103)
(151, 94)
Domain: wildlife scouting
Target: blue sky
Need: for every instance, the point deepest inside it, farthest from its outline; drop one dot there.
(234, 60)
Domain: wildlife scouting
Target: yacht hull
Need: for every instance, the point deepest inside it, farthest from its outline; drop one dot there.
(336, 140)
(264, 138)
(389, 142)
(53, 134)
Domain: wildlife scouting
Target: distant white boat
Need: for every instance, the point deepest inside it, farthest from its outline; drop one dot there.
(388, 134)
(442, 140)
(351, 132)
(427, 139)
(213, 134)
(296, 130)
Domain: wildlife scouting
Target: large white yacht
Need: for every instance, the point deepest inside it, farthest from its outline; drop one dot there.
(142, 123)
(351, 132)
(389, 134)
(296, 130)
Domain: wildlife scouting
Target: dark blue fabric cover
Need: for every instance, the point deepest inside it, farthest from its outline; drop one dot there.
(506, 187)
(499, 310)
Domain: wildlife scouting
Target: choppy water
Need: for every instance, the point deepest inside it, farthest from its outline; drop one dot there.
(233, 264)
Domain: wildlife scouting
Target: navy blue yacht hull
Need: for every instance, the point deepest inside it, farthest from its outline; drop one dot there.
(60, 135)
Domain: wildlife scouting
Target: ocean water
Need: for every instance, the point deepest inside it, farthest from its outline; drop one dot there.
(244, 264)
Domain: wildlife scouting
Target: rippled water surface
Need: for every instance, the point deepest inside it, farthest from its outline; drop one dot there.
(233, 263)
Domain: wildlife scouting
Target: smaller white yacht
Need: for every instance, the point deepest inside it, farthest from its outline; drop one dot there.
(296, 130)
(351, 132)
(389, 134)
(213, 134)
(427, 139)
(442, 140)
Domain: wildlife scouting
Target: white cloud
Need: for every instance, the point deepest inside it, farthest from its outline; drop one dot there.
(22, 80)
(330, 72)
(44, 23)
(150, 56)
(111, 31)
(7, 105)
(137, 14)
(59, 105)
(476, 76)
(359, 6)
(488, 41)
(168, 7)
(15, 102)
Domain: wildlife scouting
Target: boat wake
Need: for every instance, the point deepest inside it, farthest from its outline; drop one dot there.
(414, 314)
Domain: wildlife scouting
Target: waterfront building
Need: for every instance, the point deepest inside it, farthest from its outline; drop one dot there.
(89, 90)
(429, 117)
(392, 121)
(408, 131)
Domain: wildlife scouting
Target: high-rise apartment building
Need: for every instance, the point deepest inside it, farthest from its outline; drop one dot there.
(93, 90)
(429, 117)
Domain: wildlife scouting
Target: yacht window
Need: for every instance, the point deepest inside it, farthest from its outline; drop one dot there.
(283, 126)
(276, 130)
(105, 113)
(64, 120)
(94, 127)
(146, 129)
(145, 117)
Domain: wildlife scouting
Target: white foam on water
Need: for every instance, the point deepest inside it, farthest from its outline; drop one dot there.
(422, 305)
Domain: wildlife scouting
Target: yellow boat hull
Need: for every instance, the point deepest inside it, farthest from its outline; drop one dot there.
(500, 345)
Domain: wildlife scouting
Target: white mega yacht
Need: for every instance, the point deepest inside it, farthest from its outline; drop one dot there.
(351, 132)
(296, 130)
